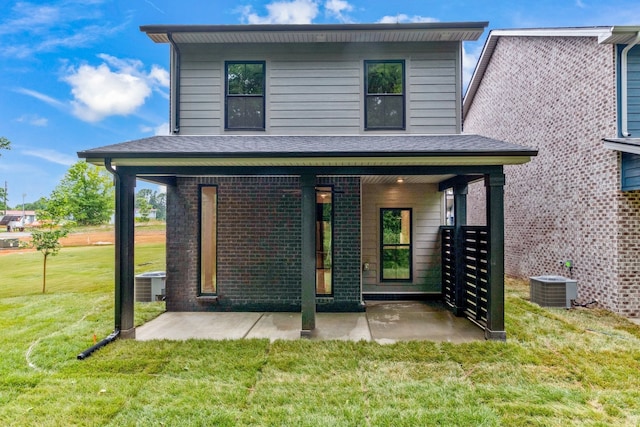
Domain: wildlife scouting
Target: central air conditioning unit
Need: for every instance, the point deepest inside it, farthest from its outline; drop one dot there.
(553, 291)
(150, 286)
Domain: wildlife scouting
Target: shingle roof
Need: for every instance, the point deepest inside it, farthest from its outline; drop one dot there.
(309, 146)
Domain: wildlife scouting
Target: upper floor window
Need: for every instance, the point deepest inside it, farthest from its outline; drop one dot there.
(384, 95)
(244, 98)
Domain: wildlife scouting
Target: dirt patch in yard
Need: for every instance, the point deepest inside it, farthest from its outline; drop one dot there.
(108, 238)
(97, 238)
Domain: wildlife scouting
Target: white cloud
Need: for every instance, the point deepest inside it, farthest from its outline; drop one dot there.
(162, 129)
(115, 87)
(160, 75)
(29, 28)
(155, 7)
(469, 61)
(41, 96)
(52, 156)
(99, 92)
(337, 8)
(29, 17)
(402, 18)
(33, 119)
(283, 12)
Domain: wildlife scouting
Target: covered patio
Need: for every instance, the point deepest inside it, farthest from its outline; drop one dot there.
(384, 322)
(472, 263)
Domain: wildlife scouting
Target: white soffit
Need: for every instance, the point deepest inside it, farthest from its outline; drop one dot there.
(626, 145)
(619, 35)
(552, 32)
(316, 33)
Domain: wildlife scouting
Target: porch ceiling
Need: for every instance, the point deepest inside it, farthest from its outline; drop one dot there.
(406, 179)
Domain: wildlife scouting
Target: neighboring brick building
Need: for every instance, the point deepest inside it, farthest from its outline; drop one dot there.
(560, 91)
(306, 171)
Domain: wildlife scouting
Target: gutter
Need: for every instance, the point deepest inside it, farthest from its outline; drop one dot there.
(624, 124)
(114, 335)
(176, 89)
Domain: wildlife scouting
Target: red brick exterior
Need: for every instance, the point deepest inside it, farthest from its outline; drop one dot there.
(558, 95)
(258, 244)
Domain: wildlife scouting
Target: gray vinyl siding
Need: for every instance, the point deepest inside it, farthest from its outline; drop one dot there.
(201, 95)
(434, 96)
(314, 97)
(318, 89)
(426, 204)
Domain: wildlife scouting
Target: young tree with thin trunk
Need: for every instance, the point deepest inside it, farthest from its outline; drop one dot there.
(5, 144)
(47, 240)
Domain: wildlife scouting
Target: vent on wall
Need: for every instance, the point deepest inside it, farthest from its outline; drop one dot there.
(553, 291)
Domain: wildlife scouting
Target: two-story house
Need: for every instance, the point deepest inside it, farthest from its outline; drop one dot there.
(574, 94)
(307, 168)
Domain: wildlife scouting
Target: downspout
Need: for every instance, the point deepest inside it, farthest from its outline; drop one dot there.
(623, 84)
(111, 338)
(176, 90)
(116, 332)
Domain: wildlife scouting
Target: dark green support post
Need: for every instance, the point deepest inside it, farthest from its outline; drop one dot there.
(308, 283)
(124, 247)
(494, 184)
(460, 190)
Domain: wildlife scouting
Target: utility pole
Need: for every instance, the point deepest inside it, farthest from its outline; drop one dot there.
(5, 197)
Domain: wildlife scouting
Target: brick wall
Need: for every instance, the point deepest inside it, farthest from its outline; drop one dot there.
(346, 245)
(628, 222)
(559, 95)
(258, 263)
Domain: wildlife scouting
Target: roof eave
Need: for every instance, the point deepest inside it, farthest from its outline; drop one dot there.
(320, 160)
(619, 35)
(449, 31)
(625, 145)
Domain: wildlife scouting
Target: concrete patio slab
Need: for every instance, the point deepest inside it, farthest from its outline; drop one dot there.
(392, 321)
(329, 326)
(183, 326)
(384, 322)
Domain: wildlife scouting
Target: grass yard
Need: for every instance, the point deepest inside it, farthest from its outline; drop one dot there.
(558, 367)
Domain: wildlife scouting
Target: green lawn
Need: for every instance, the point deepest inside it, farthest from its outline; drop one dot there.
(558, 367)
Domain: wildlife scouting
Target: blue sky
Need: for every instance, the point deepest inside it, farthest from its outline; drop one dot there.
(77, 74)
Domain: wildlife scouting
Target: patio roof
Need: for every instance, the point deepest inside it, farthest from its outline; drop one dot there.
(272, 150)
